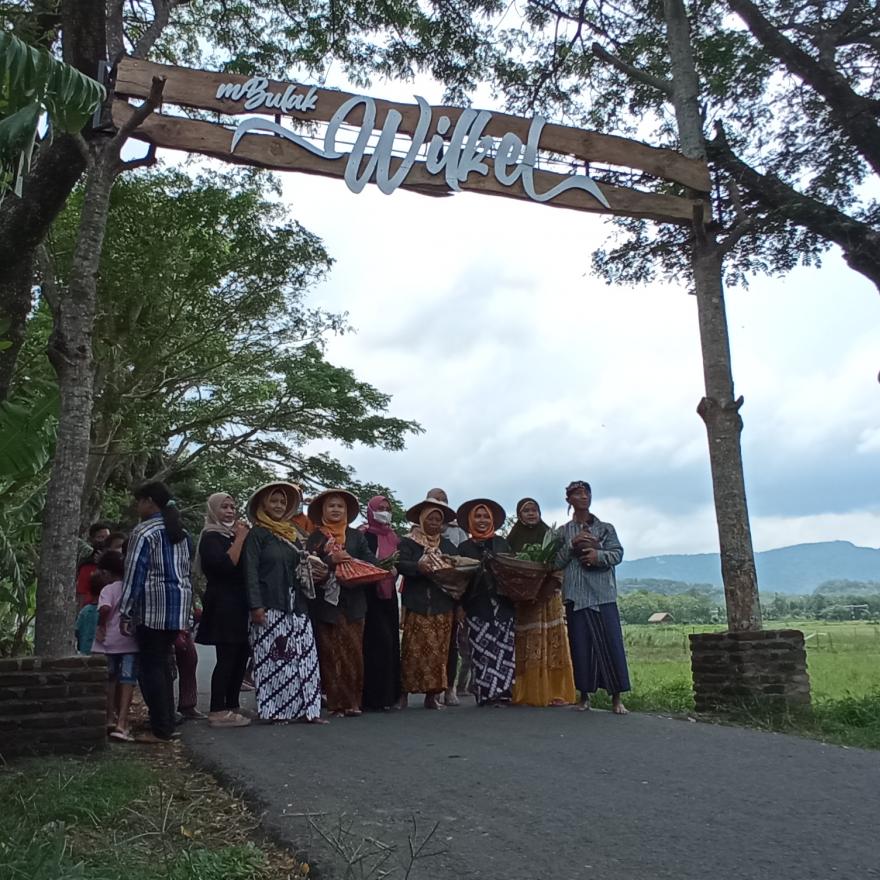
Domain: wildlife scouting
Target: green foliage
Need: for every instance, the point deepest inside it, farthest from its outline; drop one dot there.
(32, 82)
(544, 552)
(27, 436)
(694, 607)
(60, 813)
(210, 363)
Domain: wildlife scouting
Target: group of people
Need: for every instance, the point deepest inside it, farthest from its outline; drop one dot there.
(279, 595)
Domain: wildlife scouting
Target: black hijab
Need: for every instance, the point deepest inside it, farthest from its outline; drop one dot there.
(521, 534)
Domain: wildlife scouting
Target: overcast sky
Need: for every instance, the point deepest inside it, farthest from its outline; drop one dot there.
(482, 319)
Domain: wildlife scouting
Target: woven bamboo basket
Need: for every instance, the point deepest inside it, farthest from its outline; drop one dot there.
(455, 579)
(354, 572)
(518, 579)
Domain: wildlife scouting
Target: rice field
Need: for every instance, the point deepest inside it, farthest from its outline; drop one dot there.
(843, 660)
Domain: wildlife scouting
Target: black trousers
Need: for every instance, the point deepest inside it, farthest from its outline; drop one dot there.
(232, 660)
(156, 677)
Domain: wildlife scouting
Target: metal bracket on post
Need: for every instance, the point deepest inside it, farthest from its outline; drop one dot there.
(102, 119)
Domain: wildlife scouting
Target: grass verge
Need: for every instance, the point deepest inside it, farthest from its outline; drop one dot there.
(124, 816)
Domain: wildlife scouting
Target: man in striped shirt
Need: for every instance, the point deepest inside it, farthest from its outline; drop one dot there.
(590, 551)
(157, 599)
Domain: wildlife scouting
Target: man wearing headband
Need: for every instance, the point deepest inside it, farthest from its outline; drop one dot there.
(589, 553)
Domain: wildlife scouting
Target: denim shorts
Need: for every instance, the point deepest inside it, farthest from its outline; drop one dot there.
(122, 667)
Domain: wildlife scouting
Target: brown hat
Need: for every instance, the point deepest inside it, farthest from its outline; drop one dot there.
(462, 515)
(316, 505)
(415, 512)
(291, 490)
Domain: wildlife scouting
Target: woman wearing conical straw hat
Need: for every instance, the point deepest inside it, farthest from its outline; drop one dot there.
(279, 579)
(489, 614)
(427, 627)
(339, 609)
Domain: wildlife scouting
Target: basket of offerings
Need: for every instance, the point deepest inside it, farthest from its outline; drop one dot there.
(518, 579)
(522, 577)
(454, 575)
(354, 572)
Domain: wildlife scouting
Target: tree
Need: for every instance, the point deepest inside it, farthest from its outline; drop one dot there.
(212, 353)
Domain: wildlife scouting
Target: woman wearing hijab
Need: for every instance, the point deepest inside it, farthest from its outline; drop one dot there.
(427, 627)
(278, 576)
(382, 621)
(589, 553)
(544, 675)
(489, 614)
(224, 621)
(339, 610)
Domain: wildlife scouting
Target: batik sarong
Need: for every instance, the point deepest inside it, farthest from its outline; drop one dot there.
(544, 673)
(341, 648)
(285, 667)
(492, 658)
(426, 640)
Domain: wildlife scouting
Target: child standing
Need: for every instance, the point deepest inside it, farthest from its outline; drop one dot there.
(87, 618)
(120, 649)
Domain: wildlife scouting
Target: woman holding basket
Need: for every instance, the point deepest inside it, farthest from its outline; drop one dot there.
(489, 613)
(427, 627)
(340, 604)
(544, 675)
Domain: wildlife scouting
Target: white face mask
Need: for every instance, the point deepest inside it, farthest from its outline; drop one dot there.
(383, 517)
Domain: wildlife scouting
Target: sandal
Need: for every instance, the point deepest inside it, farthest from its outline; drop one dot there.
(121, 735)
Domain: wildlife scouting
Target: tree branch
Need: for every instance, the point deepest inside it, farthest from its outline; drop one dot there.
(851, 111)
(146, 161)
(161, 14)
(859, 241)
(662, 85)
(153, 102)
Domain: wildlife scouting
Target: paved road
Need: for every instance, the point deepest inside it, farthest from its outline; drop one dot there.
(523, 794)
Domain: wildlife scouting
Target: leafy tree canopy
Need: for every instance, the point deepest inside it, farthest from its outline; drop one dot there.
(210, 362)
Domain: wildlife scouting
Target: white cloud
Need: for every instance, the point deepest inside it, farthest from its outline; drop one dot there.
(480, 317)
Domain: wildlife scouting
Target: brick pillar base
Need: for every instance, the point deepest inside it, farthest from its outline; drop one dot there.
(764, 671)
(52, 705)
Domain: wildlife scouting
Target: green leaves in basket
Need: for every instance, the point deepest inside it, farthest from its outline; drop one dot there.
(545, 552)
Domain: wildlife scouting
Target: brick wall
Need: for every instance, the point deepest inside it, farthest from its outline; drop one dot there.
(52, 705)
(764, 670)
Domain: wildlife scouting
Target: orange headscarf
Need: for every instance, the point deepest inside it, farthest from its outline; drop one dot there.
(472, 527)
(336, 531)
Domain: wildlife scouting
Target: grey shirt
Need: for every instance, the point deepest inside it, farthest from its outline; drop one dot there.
(597, 585)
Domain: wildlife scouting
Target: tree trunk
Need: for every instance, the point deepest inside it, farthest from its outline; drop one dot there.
(70, 350)
(24, 222)
(16, 298)
(718, 409)
(720, 413)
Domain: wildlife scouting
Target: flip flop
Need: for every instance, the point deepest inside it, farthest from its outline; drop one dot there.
(122, 735)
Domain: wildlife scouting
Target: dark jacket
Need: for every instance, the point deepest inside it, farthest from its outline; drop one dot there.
(477, 601)
(352, 600)
(225, 608)
(270, 572)
(420, 593)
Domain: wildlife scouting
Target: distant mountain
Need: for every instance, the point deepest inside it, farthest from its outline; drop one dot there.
(798, 569)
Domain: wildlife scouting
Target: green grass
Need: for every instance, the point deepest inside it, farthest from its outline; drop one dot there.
(116, 817)
(843, 659)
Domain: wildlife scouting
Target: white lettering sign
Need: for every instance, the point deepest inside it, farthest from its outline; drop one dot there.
(466, 151)
(255, 94)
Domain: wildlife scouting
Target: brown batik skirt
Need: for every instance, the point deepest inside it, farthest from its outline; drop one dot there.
(341, 654)
(424, 652)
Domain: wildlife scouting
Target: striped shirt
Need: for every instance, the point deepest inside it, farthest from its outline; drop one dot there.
(156, 589)
(589, 587)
